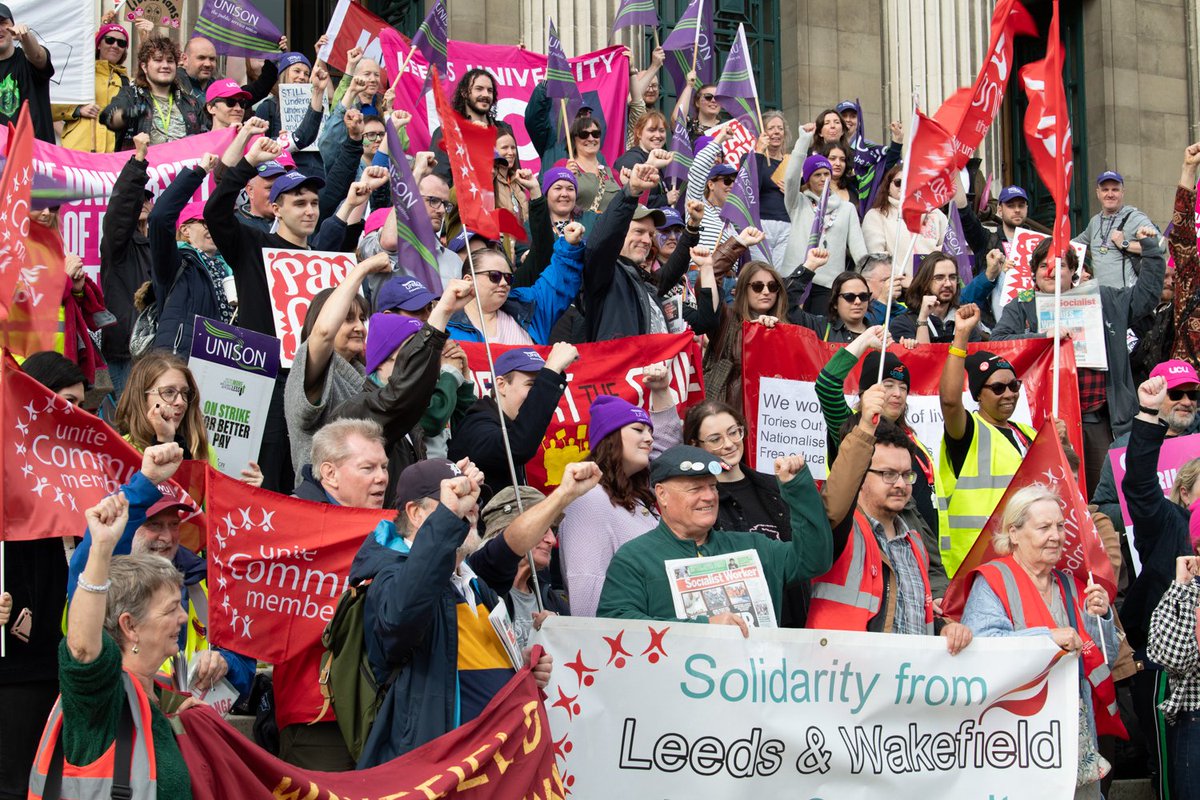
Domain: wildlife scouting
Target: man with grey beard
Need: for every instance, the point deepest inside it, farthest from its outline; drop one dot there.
(1178, 411)
(426, 621)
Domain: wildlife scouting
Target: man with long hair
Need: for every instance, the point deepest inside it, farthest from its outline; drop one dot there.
(154, 103)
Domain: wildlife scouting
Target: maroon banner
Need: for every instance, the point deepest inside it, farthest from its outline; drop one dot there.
(613, 367)
(506, 753)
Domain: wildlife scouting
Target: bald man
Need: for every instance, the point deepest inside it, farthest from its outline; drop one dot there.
(198, 68)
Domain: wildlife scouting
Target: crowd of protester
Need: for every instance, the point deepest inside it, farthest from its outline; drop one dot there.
(380, 409)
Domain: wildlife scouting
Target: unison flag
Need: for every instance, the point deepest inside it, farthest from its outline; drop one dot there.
(416, 247)
(635, 12)
(954, 244)
(560, 79)
(238, 28)
(868, 161)
(736, 91)
(431, 39)
(681, 146)
(693, 34)
(741, 207)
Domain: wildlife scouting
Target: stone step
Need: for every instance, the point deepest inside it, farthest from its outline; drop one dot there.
(1131, 790)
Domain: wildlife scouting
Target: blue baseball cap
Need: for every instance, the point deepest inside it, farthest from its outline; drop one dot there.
(291, 59)
(271, 169)
(671, 218)
(1110, 175)
(519, 360)
(1013, 193)
(405, 293)
(292, 181)
(457, 244)
(720, 169)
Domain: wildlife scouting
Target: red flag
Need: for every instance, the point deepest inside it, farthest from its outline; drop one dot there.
(32, 323)
(970, 111)
(472, 150)
(351, 25)
(277, 566)
(506, 753)
(1083, 552)
(929, 170)
(17, 180)
(58, 461)
(1048, 133)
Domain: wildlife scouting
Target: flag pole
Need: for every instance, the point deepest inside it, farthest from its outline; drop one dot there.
(887, 314)
(403, 66)
(1099, 619)
(696, 45)
(657, 44)
(1057, 341)
(3, 632)
(512, 466)
(562, 107)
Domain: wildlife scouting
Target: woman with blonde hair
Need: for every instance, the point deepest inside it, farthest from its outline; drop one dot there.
(1022, 593)
(771, 152)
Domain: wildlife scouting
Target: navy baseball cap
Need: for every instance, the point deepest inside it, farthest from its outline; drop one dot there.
(457, 244)
(671, 218)
(845, 105)
(519, 360)
(1013, 193)
(1110, 175)
(271, 169)
(405, 293)
(291, 181)
(720, 169)
(291, 59)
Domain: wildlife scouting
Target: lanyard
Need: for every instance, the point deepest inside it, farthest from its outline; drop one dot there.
(164, 120)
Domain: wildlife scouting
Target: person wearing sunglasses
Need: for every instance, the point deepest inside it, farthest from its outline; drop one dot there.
(524, 315)
(1107, 398)
(226, 103)
(758, 296)
(597, 186)
(1160, 615)
(707, 113)
(981, 450)
(1177, 411)
(709, 180)
(82, 129)
(849, 301)
(840, 229)
(883, 579)
(885, 232)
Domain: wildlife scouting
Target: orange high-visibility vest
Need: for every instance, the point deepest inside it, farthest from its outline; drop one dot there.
(94, 781)
(850, 594)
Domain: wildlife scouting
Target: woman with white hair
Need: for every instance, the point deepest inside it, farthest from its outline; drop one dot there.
(1023, 594)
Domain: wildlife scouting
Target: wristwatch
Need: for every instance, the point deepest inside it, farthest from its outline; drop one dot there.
(1124, 245)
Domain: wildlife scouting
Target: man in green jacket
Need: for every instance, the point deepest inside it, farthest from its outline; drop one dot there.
(685, 485)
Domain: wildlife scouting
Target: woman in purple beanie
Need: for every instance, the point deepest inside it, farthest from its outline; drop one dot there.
(622, 438)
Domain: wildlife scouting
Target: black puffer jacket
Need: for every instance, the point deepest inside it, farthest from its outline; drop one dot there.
(125, 258)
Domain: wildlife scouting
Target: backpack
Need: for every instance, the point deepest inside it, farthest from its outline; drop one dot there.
(347, 681)
(145, 325)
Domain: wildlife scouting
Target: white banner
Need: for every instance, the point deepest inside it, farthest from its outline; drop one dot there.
(294, 102)
(68, 32)
(676, 710)
(790, 422)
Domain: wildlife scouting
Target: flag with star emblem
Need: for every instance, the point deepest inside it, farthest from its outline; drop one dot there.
(471, 149)
(32, 323)
(1083, 553)
(17, 183)
(270, 597)
(928, 177)
(58, 460)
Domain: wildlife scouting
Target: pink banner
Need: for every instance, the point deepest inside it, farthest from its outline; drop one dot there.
(95, 174)
(1176, 451)
(602, 76)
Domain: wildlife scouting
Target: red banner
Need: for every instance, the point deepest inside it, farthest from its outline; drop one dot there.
(1048, 133)
(783, 416)
(32, 323)
(17, 179)
(613, 367)
(1083, 552)
(277, 566)
(58, 461)
(506, 753)
(294, 277)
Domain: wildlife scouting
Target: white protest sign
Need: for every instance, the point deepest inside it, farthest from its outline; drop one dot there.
(294, 102)
(294, 278)
(1020, 279)
(237, 368)
(1080, 312)
(68, 32)
(790, 422)
(646, 709)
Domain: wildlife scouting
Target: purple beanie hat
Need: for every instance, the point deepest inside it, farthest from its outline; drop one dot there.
(385, 333)
(610, 413)
(814, 163)
(556, 174)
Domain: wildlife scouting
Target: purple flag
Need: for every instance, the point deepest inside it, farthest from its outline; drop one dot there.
(736, 91)
(742, 203)
(868, 164)
(955, 245)
(416, 245)
(560, 79)
(238, 29)
(818, 225)
(635, 12)
(430, 38)
(693, 33)
(681, 146)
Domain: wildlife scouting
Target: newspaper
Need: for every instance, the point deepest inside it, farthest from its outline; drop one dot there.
(503, 627)
(1082, 314)
(729, 583)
